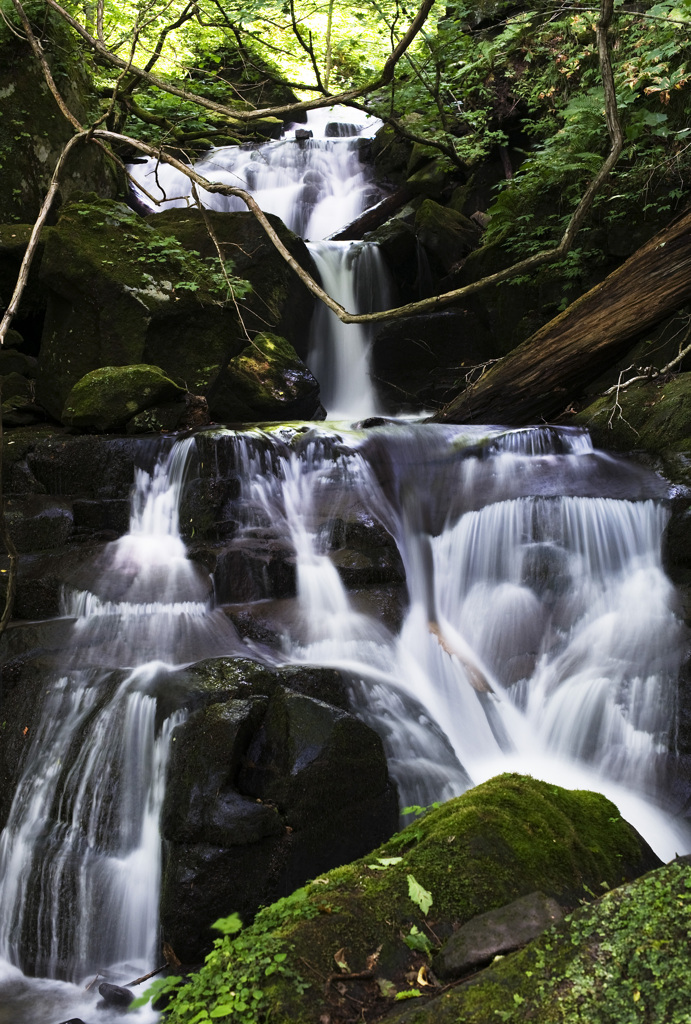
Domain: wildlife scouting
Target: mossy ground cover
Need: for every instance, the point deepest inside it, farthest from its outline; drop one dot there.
(505, 838)
(619, 960)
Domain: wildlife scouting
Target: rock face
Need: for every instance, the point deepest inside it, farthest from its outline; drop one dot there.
(268, 786)
(417, 360)
(125, 292)
(33, 131)
(266, 381)
(471, 856)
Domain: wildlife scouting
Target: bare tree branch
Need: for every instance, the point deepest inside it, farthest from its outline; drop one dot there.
(252, 115)
(38, 53)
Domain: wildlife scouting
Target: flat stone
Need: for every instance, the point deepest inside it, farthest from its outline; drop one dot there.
(498, 931)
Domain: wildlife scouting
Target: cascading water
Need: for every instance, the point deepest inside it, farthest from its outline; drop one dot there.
(541, 633)
(315, 186)
(80, 854)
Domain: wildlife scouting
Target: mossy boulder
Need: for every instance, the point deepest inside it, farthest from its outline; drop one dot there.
(446, 235)
(33, 131)
(654, 416)
(620, 959)
(107, 398)
(503, 839)
(266, 381)
(123, 291)
(278, 302)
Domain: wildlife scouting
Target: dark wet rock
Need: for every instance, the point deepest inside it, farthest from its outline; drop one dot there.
(278, 303)
(49, 462)
(358, 569)
(266, 381)
(115, 995)
(38, 522)
(391, 154)
(498, 931)
(267, 787)
(106, 398)
(12, 361)
(105, 520)
(416, 361)
(446, 235)
(254, 570)
(41, 577)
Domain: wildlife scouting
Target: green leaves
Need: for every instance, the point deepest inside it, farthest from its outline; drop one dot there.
(419, 895)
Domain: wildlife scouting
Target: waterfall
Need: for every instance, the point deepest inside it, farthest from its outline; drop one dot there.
(316, 186)
(541, 633)
(80, 856)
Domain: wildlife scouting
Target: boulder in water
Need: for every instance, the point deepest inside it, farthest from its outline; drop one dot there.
(106, 398)
(267, 787)
(266, 381)
(115, 995)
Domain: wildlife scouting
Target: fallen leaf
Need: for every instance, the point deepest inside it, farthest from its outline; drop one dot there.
(422, 976)
(340, 959)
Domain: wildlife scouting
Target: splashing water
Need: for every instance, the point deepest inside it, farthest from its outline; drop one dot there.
(541, 633)
(80, 856)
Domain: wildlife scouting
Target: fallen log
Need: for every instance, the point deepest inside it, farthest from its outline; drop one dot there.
(539, 378)
(374, 217)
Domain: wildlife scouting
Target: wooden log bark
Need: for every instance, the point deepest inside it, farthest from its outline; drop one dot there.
(551, 368)
(375, 216)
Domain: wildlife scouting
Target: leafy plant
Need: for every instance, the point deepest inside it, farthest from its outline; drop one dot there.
(232, 985)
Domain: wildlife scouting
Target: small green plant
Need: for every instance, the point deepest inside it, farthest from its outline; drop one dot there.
(232, 983)
(420, 896)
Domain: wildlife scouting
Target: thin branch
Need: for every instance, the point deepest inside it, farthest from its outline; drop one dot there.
(252, 115)
(38, 53)
(34, 239)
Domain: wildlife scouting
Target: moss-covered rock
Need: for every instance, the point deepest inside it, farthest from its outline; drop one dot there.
(33, 130)
(123, 291)
(278, 302)
(504, 839)
(621, 959)
(652, 416)
(447, 236)
(107, 398)
(266, 381)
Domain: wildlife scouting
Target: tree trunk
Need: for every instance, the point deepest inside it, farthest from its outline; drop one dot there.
(550, 369)
(375, 216)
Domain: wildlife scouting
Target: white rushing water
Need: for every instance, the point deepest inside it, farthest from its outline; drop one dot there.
(316, 186)
(541, 634)
(80, 856)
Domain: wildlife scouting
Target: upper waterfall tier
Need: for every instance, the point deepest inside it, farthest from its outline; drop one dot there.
(315, 185)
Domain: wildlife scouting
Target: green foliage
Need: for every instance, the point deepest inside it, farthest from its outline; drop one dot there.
(420, 896)
(417, 940)
(232, 985)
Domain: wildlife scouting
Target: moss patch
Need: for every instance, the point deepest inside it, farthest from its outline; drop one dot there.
(503, 839)
(617, 961)
(107, 398)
